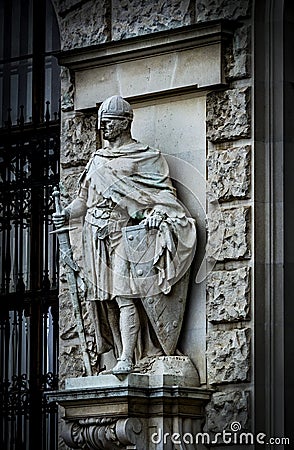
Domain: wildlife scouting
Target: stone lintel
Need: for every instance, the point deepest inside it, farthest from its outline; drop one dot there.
(167, 63)
(160, 42)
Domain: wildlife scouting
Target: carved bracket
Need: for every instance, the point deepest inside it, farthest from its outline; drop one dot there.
(102, 433)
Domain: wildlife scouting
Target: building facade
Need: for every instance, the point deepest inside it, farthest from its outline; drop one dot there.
(211, 86)
(218, 110)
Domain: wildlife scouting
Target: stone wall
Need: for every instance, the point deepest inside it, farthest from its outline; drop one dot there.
(229, 285)
(86, 23)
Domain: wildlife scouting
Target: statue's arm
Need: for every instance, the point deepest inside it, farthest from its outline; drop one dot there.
(77, 208)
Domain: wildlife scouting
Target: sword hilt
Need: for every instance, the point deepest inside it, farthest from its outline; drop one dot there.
(58, 209)
(56, 196)
(62, 230)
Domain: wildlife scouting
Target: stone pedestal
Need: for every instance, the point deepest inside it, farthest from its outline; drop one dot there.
(161, 409)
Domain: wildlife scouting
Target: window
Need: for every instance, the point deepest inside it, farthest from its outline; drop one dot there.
(29, 73)
(29, 169)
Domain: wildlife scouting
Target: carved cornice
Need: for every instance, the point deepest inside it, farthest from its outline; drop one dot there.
(162, 65)
(143, 46)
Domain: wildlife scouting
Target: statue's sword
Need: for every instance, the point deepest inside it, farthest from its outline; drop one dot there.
(72, 273)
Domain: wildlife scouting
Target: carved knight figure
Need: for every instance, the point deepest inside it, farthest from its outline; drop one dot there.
(138, 243)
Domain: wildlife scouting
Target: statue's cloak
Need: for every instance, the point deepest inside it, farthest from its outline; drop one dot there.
(118, 189)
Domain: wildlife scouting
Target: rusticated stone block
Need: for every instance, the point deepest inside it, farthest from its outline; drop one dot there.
(228, 234)
(228, 115)
(138, 17)
(229, 173)
(64, 6)
(224, 409)
(222, 9)
(228, 356)
(238, 55)
(69, 184)
(70, 362)
(67, 325)
(67, 90)
(83, 23)
(78, 139)
(69, 338)
(67, 321)
(228, 295)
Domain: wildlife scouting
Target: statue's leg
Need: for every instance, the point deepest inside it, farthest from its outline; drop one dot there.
(129, 323)
(114, 322)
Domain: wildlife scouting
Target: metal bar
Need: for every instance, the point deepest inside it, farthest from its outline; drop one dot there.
(7, 263)
(19, 415)
(3, 257)
(39, 27)
(6, 378)
(23, 64)
(2, 377)
(7, 54)
(45, 340)
(22, 160)
(20, 343)
(55, 333)
(46, 208)
(35, 373)
(16, 226)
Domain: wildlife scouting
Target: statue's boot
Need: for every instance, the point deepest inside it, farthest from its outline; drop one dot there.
(129, 328)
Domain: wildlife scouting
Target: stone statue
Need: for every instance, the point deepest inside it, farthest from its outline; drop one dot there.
(138, 243)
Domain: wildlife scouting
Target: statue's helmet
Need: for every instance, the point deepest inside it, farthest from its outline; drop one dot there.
(114, 107)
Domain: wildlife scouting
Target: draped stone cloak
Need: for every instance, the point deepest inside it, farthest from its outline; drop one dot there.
(118, 189)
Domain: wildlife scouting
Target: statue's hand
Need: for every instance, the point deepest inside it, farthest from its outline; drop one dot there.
(59, 220)
(153, 220)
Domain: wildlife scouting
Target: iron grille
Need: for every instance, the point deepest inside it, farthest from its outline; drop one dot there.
(29, 169)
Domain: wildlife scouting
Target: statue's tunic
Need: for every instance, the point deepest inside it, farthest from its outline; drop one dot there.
(119, 188)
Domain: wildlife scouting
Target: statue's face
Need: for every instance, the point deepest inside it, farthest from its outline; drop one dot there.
(112, 128)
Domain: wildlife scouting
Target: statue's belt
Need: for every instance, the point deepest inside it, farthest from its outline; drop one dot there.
(102, 217)
(99, 213)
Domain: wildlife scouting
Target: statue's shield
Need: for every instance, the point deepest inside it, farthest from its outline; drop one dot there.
(165, 311)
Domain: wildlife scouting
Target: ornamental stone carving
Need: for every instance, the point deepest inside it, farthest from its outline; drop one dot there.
(137, 243)
(102, 433)
(132, 412)
(228, 295)
(229, 173)
(228, 115)
(228, 356)
(228, 234)
(114, 328)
